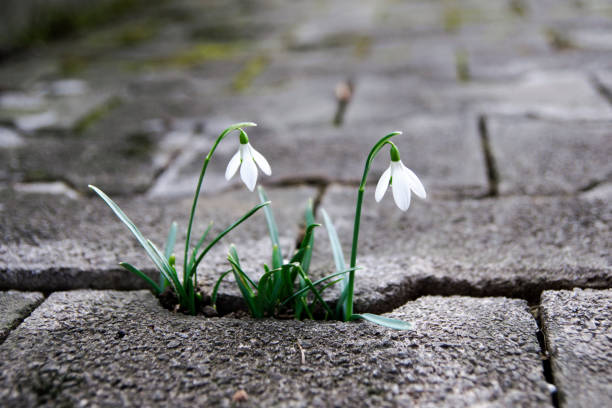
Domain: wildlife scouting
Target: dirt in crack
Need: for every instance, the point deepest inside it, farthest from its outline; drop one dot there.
(545, 356)
(492, 172)
(229, 306)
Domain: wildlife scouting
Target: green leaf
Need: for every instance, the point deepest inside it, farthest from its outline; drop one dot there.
(225, 232)
(213, 297)
(304, 254)
(197, 248)
(272, 228)
(308, 241)
(169, 272)
(330, 284)
(168, 249)
(233, 255)
(134, 230)
(277, 258)
(384, 321)
(247, 293)
(323, 279)
(338, 259)
(313, 289)
(334, 242)
(171, 240)
(150, 281)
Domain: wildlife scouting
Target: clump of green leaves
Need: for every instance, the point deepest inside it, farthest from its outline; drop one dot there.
(285, 285)
(185, 288)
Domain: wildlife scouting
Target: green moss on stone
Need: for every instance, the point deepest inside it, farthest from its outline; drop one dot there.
(462, 65)
(96, 114)
(251, 70)
(191, 57)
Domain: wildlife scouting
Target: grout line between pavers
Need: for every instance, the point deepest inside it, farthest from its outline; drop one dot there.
(601, 88)
(491, 165)
(545, 355)
(28, 312)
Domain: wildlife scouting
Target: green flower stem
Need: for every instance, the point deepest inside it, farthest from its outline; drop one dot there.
(186, 271)
(348, 305)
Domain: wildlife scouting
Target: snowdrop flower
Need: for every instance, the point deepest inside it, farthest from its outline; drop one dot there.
(402, 180)
(245, 158)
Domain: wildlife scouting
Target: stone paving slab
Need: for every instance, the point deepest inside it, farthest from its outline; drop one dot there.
(445, 151)
(15, 306)
(547, 157)
(112, 145)
(578, 329)
(111, 348)
(514, 246)
(52, 242)
(555, 94)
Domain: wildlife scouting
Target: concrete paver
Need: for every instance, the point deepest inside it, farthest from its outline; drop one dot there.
(14, 306)
(121, 348)
(578, 329)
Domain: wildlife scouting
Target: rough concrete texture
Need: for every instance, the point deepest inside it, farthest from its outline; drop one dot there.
(14, 307)
(135, 105)
(53, 242)
(546, 157)
(578, 329)
(121, 348)
(515, 246)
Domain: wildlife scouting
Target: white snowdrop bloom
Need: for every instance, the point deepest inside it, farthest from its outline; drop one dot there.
(246, 157)
(402, 181)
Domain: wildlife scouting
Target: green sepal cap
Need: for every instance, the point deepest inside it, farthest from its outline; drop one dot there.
(244, 139)
(395, 155)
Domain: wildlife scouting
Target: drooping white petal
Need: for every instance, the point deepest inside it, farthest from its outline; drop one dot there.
(382, 185)
(400, 186)
(232, 166)
(415, 183)
(248, 170)
(261, 161)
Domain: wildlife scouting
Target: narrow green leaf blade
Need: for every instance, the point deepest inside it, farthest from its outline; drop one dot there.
(168, 271)
(213, 297)
(323, 279)
(247, 293)
(197, 247)
(131, 226)
(171, 240)
(168, 249)
(272, 228)
(233, 258)
(313, 289)
(144, 276)
(308, 241)
(225, 232)
(334, 242)
(384, 321)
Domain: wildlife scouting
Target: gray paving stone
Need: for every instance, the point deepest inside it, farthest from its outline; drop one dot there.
(554, 94)
(514, 246)
(14, 307)
(121, 348)
(578, 329)
(444, 151)
(548, 157)
(52, 242)
(55, 111)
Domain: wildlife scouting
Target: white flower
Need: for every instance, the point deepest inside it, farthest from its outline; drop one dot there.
(245, 158)
(402, 180)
